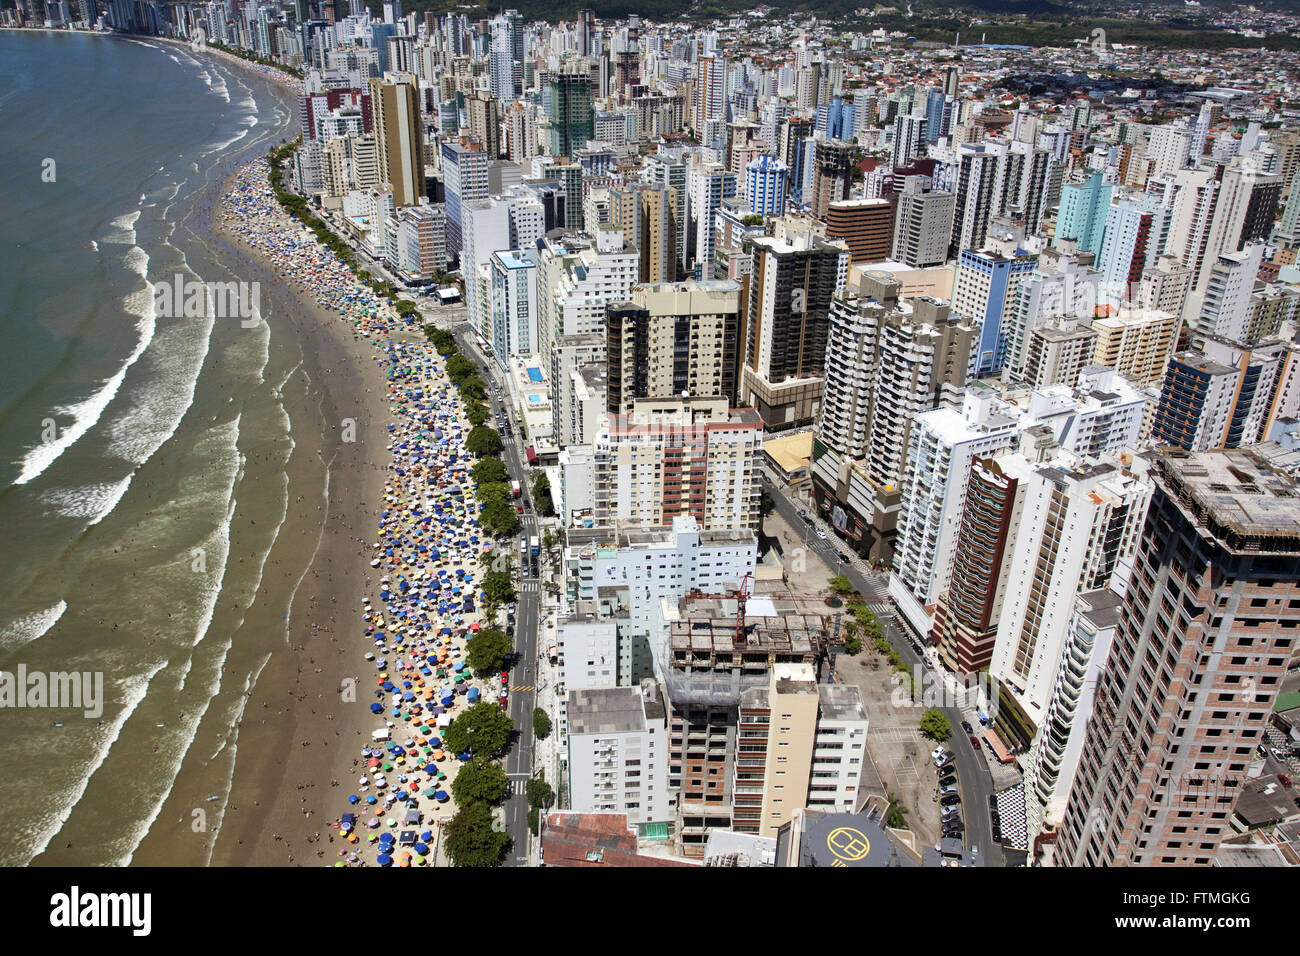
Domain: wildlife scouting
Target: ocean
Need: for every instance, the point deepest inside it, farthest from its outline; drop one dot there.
(144, 452)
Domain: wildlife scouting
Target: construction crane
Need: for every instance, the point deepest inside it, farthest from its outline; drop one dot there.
(741, 595)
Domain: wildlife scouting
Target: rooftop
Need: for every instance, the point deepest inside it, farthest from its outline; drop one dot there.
(610, 710)
(594, 839)
(1237, 495)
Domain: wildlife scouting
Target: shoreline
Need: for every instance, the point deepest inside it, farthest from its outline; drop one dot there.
(426, 542)
(314, 745)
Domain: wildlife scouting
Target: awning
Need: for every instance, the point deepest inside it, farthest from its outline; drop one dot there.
(532, 455)
(999, 748)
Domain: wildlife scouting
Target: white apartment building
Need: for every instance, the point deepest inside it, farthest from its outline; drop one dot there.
(1077, 522)
(651, 565)
(587, 658)
(1060, 286)
(513, 304)
(1054, 756)
(839, 747)
(943, 446)
(1102, 414)
(598, 275)
(618, 753)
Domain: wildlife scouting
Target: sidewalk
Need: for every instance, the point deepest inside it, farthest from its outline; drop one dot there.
(546, 751)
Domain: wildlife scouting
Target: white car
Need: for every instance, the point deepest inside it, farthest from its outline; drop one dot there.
(938, 753)
(821, 534)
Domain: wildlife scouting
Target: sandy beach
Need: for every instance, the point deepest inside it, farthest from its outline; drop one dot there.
(374, 564)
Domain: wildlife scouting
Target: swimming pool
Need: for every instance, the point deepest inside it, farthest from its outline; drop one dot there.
(534, 399)
(534, 375)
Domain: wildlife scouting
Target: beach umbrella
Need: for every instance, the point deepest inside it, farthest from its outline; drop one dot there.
(354, 799)
(384, 859)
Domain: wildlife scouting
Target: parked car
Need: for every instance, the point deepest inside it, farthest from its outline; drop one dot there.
(821, 534)
(975, 742)
(937, 754)
(951, 800)
(1284, 780)
(945, 762)
(965, 725)
(948, 781)
(945, 791)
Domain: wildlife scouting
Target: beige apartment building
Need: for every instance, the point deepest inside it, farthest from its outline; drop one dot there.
(395, 101)
(1136, 343)
(1204, 635)
(673, 338)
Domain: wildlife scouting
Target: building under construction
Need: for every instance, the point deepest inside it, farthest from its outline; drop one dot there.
(714, 648)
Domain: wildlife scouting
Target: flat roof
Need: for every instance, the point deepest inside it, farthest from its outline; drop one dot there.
(1237, 494)
(607, 710)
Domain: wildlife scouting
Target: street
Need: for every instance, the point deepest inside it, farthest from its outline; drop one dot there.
(519, 703)
(973, 777)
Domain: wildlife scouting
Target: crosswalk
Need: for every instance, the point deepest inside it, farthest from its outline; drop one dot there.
(529, 587)
(519, 687)
(881, 608)
(518, 786)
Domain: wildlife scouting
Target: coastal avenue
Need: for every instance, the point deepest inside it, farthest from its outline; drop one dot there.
(973, 777)
(519, 705)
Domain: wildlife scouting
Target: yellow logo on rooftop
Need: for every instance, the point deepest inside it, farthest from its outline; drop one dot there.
(848, 843)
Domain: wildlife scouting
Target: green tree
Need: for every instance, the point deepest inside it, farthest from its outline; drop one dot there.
(853, 645)
(470, 839)
(483, 730)
(472, 389)
(499, 587)
(539, 792)
(839, 584)
(443, 341)
(492, 490)
(542, 496)
(405, 307)
(460, 368)
(935, 725)
(534, 820)
(541, 723)
(896, 815)
(479, 781)
(483, 442)
(499, 518)
(476, 412)
(488, 649)
(489, 471)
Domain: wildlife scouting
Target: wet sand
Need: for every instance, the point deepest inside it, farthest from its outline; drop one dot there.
(298, 732)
